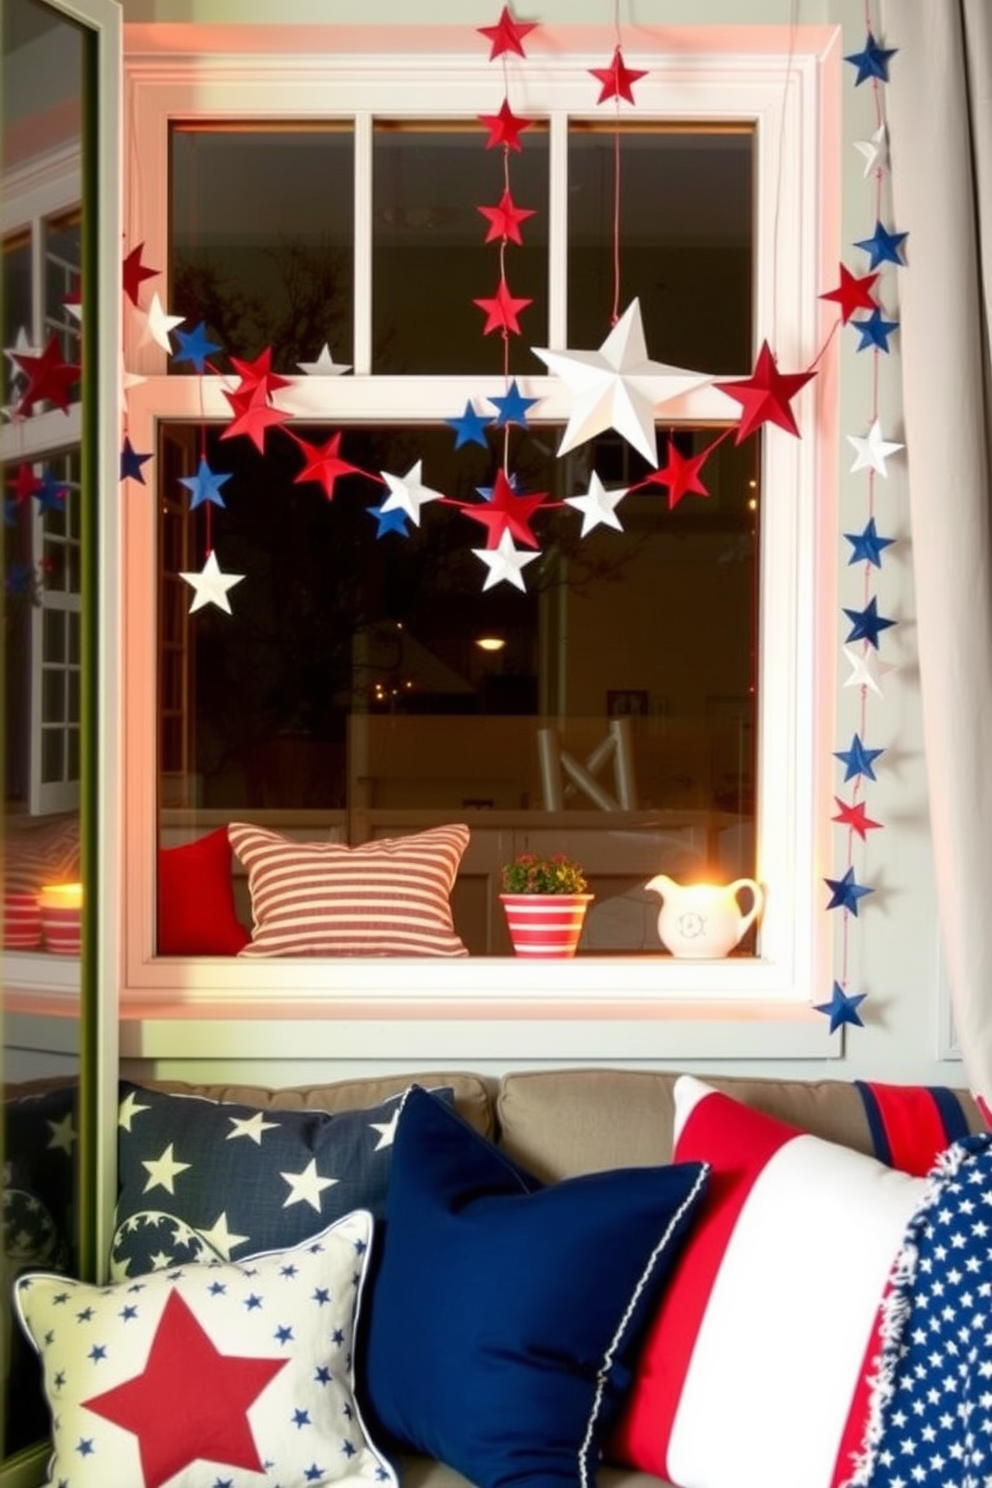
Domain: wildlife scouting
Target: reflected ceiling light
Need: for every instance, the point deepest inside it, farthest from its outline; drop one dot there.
(490, 642)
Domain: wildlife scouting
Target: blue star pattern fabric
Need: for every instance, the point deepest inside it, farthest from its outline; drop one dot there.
(883, 246)
(842, 1008)
(201, 1178)
(858, 760)
(930, 1421)
(845, 892)
(212, 1376)
(867, 546)
(872, 61)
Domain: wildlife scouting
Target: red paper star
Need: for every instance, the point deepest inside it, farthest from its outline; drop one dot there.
(680, 474)
(507, 35)
(501, 310)
(765, 395)
(616, 79)
(504, 127)
(259, 374)
(209, 1392)
(253, 416)
(505, 511)
(49, 377)
(324, 464)
(25, 484)
(505, 220)
(854, 816)
(852, 293)
(135, 273)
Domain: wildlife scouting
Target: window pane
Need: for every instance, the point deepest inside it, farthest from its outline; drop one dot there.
(53, 695)
(16, 306)
(430, 259)
(63, 258)
(54, 636)
(686, 240)
(262, 240)
(348, 677)
(52, 756)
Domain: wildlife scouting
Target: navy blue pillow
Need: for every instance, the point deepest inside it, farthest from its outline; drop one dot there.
(200, 1178)
(504, 1317)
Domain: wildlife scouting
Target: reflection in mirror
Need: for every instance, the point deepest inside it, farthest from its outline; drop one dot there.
(41, 440)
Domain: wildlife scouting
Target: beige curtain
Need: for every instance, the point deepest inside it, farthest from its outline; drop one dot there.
(938, 103)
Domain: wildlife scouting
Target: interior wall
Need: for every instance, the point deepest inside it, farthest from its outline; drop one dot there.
(893, 945)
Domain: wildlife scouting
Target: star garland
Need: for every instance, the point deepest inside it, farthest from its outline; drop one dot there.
(857, 295)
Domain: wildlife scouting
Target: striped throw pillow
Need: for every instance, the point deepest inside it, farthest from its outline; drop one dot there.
(386, 898)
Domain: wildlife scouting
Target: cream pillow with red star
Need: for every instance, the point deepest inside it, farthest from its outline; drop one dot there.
(207, 1374)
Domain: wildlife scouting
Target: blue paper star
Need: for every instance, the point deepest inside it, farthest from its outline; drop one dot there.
(874, 331)
(469, 428)
(389, 521)
(195, 347)
(131, 462)
(873, 62)
(867, 546)
(205, 485)
(11, 507)
(841, 1008)
(512, 407)
(50, 495)
(845, 892)
(858, 760)
(867, 623)
(883, 246)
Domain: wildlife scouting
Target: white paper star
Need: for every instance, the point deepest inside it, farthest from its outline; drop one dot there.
(875, 151)
(505, 562)
(306, 1187)
(158, 324)
(220, 1238)
(128, 380)
(17, 380)
(867, 669)
(617, 387)
(872, 451)
(598, 506)
(211, 585)
(324, 366)
(162, 1171)
(408, 492)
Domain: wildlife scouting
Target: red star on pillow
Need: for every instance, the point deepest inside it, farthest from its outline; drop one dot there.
(504, 127)
(324, 464)
(680, 474)
(507, 35)
(49, 377)
(505, 220)
(253, 415)
(616, 79)
(852, 293)
(765, 395)
(505, 511)
(501, 310)
(209, 1392)
(135, 274)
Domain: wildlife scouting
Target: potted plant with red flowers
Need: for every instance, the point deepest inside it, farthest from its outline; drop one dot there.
(545, 899)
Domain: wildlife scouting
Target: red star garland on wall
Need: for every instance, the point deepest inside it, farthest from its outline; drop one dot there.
(765, 395)
(134, 274)
(501, 310)
(25, 484)
(49, 377)
(259, 374)
(616, 79)
(507, 35)
(852, 293)
(505, 127)
(680, 474)
(855, 815)
(209, 1392)
(254, 415)
(506, 512)
(324, 464)
(505, 219)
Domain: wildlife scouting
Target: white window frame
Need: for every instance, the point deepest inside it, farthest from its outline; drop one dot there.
(788, 91)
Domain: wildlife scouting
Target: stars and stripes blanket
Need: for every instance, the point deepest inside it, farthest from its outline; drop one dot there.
(930, 1422)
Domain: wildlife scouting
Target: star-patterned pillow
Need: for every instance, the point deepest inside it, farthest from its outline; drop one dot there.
(201, 1179)
(209, 1374)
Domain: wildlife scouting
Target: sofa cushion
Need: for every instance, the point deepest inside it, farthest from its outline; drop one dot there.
(504, 1316)
(208, 1374)
(196, 911)
(753, 1374)
(200, 1178)
(389, 897)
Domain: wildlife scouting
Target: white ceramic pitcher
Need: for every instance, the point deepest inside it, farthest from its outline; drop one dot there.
(704, 920)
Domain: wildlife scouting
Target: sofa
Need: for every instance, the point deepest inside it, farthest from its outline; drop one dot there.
(860, 1165)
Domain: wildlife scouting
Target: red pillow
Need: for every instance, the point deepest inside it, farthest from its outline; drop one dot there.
(196, 913)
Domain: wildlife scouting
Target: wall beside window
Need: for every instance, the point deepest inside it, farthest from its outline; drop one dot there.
(895, 941)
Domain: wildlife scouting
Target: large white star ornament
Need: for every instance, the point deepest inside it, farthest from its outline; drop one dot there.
(617, 387)
(873, 450)
(210, 585)
(598, 506)
(867, 669)
(505, 562)
(158, 324)
(408, 493)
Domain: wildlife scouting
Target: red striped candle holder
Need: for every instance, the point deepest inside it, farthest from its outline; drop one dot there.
(61, 916)
(545, 925)
(21, 922)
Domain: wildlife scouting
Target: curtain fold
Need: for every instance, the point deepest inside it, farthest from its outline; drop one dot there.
(939, 110)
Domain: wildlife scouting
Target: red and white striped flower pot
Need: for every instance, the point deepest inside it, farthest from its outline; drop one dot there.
(545, 924)
(21, 922)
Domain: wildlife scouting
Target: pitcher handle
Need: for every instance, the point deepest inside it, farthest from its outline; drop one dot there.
(757, 903)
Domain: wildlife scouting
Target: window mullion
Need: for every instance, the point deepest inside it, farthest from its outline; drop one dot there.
(558, 230)
(362, 323)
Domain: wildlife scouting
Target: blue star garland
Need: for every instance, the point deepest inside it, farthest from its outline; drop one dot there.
(205, 485)
(845, 892)
(874, 331)
(883, 246)
(867, 546)
(842, 1008)
(867, 623)
(858, 760)
(872, 61)
(470, 427)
